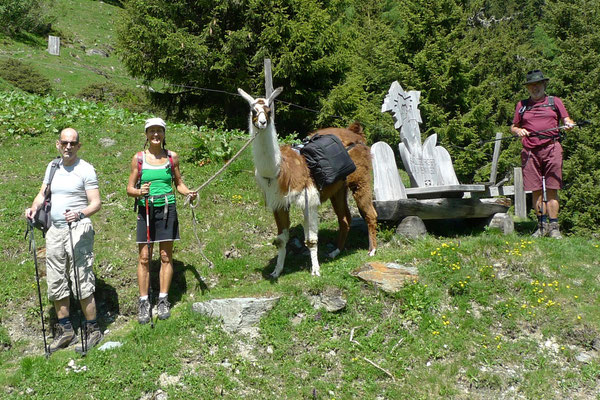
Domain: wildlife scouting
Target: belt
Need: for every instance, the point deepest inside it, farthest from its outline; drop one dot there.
(166, 197)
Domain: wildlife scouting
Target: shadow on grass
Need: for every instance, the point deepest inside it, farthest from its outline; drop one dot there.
(107, 308)
(179, 284)
(298, 256)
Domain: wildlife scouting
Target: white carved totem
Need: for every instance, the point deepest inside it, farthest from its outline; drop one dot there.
(426, 164)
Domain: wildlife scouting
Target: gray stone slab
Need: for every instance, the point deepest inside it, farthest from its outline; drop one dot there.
(236, 313)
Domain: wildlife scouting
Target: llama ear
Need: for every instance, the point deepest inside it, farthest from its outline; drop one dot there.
(246, 96)
(275, 93)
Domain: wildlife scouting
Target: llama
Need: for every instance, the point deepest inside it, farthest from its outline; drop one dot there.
(284, 178)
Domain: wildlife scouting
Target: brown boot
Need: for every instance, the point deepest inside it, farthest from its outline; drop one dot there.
(542, 230)
(554, 231)
(64, 337)
(93, 336)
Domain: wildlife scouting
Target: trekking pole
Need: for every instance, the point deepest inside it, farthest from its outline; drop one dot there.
(149, 259)
(78, 291)
(545, 200)
(538, 133)
(33, 249)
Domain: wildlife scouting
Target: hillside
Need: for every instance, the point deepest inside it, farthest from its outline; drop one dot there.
(490, 317)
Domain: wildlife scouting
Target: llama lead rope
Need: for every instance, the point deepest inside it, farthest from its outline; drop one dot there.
(190, 202)
(223, 168)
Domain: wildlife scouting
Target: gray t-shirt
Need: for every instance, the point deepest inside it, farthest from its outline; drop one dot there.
(69, 187)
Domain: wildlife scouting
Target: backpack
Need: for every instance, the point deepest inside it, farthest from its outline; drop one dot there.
(327, 159)
(526, 107)
(140, 161)
(41, 219)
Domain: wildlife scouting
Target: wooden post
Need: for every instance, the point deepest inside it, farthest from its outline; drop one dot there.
(54, 45)
(520, 201)
(495, 157)
(269, 82)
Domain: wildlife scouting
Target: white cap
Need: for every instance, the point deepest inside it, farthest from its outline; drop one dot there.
(155, 122)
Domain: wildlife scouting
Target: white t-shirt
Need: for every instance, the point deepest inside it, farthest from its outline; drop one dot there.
(69, 187)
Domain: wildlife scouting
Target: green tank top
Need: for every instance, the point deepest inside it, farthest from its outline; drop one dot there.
(161, 180)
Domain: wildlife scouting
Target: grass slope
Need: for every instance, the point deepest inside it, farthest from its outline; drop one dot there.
(492, 316)
(82, 25)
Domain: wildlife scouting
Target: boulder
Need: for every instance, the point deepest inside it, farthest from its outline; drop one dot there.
(237, 313)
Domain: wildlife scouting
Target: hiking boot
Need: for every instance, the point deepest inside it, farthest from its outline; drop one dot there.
(93, 336)
(64, 338)
(144, 312)
(542, 230)
(163, 308)
(554, 231)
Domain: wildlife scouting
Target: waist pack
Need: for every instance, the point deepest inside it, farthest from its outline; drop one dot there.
(41, 219)
(327, 159)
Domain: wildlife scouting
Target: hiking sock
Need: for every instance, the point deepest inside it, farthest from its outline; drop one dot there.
(64, 321)
(91, 321)
(543, 218)
(553, 220)
(162, 295)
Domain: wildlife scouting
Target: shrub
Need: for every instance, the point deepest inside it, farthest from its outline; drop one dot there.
(25, 15)
(25, 77)
(113, 95)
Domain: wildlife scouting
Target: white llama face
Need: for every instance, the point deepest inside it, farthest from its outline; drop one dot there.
(261, 114)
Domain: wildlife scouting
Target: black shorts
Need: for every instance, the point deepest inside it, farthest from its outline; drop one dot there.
(161, 229)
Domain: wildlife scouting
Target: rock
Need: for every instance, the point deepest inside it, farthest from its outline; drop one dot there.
(503, 222)
(96, 52)
(168, 380)
(584, 357)
(110, 345)
(412, 227)
(331, 300)
(237, 313)
(107, 142)
(390, 277)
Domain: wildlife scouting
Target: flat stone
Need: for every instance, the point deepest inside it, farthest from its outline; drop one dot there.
(331, 300)
(237, 314)
(110, 345)
(390, 277)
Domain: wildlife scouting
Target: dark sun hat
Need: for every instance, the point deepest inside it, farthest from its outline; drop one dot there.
(535, 76)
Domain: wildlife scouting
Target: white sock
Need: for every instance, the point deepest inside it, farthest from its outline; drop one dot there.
(162, 295)
(144, 297)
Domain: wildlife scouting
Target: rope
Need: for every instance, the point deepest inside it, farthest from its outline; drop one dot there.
(223, 168)
(190, 202)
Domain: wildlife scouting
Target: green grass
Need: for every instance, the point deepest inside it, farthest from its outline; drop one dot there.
(82, 25)
(489, 312)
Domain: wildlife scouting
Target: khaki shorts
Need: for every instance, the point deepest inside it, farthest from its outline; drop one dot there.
(58, 260)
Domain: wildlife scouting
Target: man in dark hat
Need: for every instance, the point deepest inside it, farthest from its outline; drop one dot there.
(541, 157)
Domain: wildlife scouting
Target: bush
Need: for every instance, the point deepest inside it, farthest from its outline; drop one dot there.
(25, 15)
(25, 77)
(113, 95)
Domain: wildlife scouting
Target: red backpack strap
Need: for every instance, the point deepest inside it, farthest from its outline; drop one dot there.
(172, 164)
(140, 160)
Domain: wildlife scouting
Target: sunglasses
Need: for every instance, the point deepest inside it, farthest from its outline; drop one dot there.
(65, 143)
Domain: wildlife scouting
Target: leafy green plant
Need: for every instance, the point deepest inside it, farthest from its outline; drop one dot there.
(213, 145)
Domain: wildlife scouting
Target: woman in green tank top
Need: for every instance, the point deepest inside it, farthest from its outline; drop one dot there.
(154, 172)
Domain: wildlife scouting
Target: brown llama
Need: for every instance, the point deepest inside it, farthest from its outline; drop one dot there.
(285, 179)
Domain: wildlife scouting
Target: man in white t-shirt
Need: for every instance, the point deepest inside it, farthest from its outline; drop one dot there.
(74, 188)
